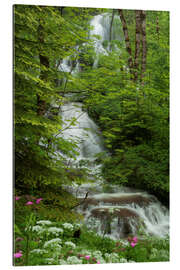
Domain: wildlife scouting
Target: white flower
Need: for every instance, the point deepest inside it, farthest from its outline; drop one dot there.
(123, 260)
(38, 229)
(55, 230)
(44, 222)
(39, 251)
(77, 226)
(97, 253)
(73, 260)
(61, 261)
(71, 244)
(112, 257)
(53, 243)
(68, 226)
(50, 260)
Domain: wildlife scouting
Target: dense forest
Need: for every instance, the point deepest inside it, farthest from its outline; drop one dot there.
(122, 83)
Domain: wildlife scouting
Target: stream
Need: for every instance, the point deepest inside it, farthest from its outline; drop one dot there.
(108, 209)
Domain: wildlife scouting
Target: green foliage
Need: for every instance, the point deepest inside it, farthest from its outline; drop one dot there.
(42, 36)
(133, 116)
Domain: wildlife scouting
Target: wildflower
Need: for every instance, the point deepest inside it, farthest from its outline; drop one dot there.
(18, 254)
(17, 198)
(44, 222)
(29, 203)
(123, 260)
(62, 262)
(135, 239)
(38, 200)
(55, 230)
(68, 226)
(133, 244)
(98, 262)
(39, 251)
(53, 243)
(87, 257)
(73, 260)
(50, 260)
(71, 244)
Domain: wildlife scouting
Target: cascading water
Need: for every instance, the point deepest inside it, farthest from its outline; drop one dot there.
(114, 211)
(109, 209)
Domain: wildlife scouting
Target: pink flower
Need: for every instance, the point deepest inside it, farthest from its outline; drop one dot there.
(133, 244)
(38, 200)
(98, 262)
(29, 203)
(87, 257)
(18, 254)
(17, 198)
(135, 239)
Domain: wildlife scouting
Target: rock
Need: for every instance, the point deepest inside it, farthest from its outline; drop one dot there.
(119, 199)
(119, 212)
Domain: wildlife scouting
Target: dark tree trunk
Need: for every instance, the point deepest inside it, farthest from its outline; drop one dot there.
(110, 31)
(44, 65)
(157, 27)
(144, 45)
(127, 41)
(137, 43)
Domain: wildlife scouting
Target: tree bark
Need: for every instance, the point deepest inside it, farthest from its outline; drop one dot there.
(44, 65)
(110, 30)
(157, 27)
(127, 41)
(144, 45)
(137, 43)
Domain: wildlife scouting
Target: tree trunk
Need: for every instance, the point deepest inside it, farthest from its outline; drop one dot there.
(137, 43)
(44, 65)
(127, 41)
(144, 46)
(110, 30)
(157, 27)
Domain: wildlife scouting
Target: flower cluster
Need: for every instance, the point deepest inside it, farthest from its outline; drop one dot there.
(29, 202)
(55, 231)
(44, 222)
(70, 244)
(133, 241)
(18, 254)
(53, 243)
(68, 226)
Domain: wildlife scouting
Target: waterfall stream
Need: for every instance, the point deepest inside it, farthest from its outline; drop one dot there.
(109, 209)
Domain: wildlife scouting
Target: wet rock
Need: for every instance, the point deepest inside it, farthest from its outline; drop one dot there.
(119, 212)
(127, 219)
(120, 200)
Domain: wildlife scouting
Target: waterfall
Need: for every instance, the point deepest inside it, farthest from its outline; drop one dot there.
(101, 40)
(109, 210)
(113, 211)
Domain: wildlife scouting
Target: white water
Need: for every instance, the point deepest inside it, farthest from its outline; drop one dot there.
(151, 217)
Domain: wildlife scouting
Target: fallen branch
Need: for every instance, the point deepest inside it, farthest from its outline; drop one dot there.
(81, 201)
